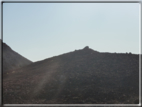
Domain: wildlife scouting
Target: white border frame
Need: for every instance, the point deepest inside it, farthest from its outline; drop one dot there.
(73, 1)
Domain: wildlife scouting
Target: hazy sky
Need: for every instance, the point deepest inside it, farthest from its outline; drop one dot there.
(41, 30)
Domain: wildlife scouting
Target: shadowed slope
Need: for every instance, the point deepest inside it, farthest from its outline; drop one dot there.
(79, 77)
(12, 60)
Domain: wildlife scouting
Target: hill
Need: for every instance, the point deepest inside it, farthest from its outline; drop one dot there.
(11, 59)
(80, 77)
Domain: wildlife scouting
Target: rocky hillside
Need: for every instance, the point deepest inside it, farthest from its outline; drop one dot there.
(11, 59)
(80, 77)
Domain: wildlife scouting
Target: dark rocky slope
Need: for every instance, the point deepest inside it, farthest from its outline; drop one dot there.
(80, 77)
(12, 60)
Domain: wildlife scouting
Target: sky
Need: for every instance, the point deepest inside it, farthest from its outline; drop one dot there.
(41, 30)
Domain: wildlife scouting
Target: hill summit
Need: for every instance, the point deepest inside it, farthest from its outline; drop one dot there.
(86, 47)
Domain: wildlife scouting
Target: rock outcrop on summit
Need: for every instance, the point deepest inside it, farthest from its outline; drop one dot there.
(79, 77)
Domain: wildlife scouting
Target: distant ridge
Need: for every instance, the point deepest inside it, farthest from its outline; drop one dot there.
(12, 60)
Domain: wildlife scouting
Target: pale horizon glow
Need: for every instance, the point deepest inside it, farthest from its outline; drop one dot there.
(42, 30)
